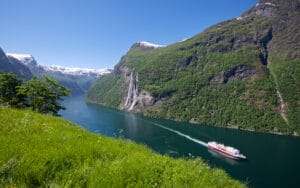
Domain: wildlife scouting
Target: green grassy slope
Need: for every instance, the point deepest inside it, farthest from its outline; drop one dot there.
(228, 75)
(40, 150)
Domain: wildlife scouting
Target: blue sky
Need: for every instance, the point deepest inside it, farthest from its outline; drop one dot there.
(96, 33)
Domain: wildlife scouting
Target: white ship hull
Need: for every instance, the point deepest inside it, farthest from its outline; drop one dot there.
(226, 151)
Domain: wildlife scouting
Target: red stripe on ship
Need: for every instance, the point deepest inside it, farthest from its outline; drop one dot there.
(223, 152)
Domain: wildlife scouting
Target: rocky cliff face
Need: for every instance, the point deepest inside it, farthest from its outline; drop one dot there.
(238, 72)
(283, 31)
(134, 98)
(241, 73)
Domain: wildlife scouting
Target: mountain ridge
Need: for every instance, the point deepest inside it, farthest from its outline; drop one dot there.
(13, 65)
(25, 66)
(29, 60)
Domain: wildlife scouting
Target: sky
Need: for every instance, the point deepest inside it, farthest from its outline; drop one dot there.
(96, 33)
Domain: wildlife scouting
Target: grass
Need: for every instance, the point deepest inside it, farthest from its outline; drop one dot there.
(45, 151)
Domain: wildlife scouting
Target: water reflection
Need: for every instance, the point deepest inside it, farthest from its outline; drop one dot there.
(172, 152)
(131, 123)
(223, 158)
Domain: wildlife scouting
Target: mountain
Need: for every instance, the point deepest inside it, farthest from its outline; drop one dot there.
(241, 73)
(78, 80)
(26, 59)
(9, 64)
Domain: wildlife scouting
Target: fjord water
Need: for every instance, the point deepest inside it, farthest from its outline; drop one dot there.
(273, 160)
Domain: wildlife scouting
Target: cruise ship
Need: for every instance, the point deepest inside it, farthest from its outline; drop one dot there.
(227, 151)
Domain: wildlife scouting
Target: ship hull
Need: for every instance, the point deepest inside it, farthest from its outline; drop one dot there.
(226, 154)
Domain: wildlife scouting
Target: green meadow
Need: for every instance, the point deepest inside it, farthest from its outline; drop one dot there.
(44, 151)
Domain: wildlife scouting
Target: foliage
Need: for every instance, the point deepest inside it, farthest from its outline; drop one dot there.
(9, 88)
(42, 95)
(107, 90)
(44, 151)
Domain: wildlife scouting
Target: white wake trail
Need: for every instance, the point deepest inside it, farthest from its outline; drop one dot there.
(184, 135)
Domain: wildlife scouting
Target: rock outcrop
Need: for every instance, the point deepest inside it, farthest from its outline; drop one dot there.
(238, 72)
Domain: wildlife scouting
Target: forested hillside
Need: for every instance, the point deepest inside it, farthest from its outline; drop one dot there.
(242, 73)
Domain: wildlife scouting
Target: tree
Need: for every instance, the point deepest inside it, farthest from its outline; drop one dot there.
(9, 83)
(43, 95)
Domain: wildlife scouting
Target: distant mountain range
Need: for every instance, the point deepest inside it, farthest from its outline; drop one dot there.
(78, 80)
(242, 73)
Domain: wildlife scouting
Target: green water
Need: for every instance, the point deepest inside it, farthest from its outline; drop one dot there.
(273, 160)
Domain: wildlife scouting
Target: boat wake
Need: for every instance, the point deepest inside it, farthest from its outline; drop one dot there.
(181, 134)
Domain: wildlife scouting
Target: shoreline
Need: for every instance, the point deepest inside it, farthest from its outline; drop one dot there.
(193, 121)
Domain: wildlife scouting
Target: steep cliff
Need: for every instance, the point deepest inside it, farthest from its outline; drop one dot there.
(240, 73)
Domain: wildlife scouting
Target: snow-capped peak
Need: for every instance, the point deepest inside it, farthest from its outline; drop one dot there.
(76, 71)
(23, 58)
(266, 3)
(151, 45)
(29, 61)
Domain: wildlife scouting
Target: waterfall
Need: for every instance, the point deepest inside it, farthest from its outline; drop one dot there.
(129, 93)
(132, 94)
(283, 107)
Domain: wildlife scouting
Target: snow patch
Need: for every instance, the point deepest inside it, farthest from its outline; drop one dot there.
(23, 58)
(239, 18)
(77, 71)
(270, 4)
(184, 39)
(267, 3)
(148, 44)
